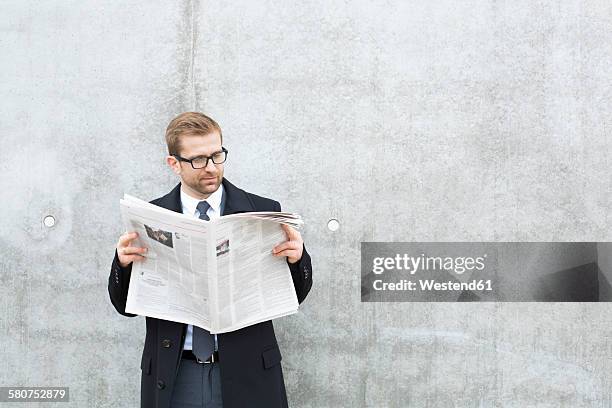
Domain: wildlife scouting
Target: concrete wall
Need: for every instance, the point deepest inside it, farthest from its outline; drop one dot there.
(405, 120)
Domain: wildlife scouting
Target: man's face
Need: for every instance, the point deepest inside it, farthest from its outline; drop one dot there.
(199, 183)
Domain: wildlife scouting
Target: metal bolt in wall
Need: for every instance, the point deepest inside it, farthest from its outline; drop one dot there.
(49, 221)
(333, 224)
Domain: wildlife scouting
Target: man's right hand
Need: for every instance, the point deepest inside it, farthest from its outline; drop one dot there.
(128, 254)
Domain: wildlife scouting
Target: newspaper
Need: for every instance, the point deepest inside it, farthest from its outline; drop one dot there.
(219, 275)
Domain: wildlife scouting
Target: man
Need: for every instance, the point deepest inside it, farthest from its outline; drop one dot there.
(243, 367)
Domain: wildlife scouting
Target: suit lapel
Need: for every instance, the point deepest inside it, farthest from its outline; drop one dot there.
(236, 200)
(172, 200)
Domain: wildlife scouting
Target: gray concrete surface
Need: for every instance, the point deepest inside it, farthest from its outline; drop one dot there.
(405, 120)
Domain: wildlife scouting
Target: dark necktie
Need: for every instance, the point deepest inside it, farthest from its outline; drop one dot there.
(203, 343)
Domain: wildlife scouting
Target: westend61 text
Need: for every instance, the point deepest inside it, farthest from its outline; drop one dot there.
(433, 285)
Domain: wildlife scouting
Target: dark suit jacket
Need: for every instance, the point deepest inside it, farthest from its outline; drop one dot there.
(249, 358)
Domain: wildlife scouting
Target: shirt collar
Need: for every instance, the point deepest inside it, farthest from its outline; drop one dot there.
(190, 203)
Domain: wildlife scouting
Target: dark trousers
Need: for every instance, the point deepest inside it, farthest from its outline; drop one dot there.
(197, 386)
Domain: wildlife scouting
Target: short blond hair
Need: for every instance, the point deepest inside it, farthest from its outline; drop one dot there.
(189, 123)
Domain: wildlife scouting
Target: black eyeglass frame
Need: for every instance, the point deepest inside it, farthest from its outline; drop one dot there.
(190, 161)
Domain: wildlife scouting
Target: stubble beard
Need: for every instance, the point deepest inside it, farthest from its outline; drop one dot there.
(207, 188)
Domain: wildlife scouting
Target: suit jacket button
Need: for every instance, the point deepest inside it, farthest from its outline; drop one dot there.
(161, 385)
(166, 343)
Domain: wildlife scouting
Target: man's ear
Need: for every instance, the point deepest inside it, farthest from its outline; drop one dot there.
(174, 164)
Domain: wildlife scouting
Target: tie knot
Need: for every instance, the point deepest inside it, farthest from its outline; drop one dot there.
(202, 207)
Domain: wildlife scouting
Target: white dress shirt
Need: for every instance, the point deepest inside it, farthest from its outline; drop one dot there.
(189, 204)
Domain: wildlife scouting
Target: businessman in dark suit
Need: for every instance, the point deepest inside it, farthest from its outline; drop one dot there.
(244, 369)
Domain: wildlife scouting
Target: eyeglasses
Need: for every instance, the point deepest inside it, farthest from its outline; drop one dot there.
(200, 162)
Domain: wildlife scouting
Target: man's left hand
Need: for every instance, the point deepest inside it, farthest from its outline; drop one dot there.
(292, 248)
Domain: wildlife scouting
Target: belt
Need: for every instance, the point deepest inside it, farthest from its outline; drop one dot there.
(188, 355)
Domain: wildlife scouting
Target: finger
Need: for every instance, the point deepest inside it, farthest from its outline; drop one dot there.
(133, 250)
(125, 239)
(132, 258)
(290, 231)
(135, 256)
(129, 235)
(285, 245)
(287, 252)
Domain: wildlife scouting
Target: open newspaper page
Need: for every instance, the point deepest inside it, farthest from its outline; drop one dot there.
(219, 275)
(252, 284)
(172, 282)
